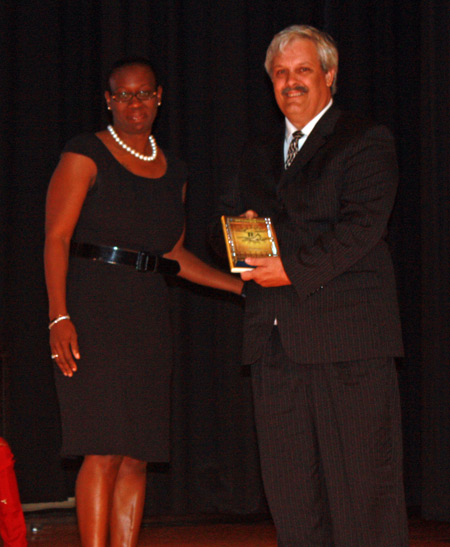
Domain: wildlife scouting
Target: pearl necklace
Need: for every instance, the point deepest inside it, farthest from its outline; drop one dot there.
(120, 142)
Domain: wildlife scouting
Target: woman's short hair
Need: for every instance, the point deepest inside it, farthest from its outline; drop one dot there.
(126, 62)
(326, 47)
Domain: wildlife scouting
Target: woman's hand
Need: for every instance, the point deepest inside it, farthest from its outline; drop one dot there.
(197, 271)
(64, 346)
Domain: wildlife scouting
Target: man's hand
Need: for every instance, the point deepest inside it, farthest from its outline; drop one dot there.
(249, 214)
(269, 272)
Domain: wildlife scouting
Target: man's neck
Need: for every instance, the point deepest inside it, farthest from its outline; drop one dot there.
(309, 126)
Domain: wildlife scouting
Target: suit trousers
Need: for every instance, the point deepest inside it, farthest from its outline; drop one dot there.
(330, 445)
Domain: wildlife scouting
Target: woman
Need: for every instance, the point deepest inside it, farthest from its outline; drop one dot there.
(113, 195)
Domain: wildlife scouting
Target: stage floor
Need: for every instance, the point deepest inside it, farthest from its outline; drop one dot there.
(58, 529)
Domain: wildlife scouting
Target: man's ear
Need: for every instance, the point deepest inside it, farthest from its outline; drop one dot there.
(329, 77)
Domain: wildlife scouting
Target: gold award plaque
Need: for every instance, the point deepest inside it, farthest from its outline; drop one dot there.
(248, 238)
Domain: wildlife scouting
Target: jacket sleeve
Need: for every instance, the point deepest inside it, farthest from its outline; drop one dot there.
(229, 203)
(367, 181)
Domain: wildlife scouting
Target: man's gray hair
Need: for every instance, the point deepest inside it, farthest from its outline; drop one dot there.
(326, 47)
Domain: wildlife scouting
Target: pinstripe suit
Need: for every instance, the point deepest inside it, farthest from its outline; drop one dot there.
(325, 391)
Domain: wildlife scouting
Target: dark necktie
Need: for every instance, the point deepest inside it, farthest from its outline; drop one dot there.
(293, 148)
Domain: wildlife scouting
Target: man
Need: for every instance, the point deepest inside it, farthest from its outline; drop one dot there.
(322, 326)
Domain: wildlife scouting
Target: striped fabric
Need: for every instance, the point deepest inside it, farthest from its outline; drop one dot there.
(324, 381)
(331, 453)
(293, 148)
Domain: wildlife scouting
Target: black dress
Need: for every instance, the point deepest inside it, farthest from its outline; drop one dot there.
(118, 402)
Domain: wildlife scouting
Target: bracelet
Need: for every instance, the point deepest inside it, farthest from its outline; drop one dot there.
(57, 320)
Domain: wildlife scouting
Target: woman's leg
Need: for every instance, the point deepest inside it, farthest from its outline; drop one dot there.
(128, 503)
(94, 497)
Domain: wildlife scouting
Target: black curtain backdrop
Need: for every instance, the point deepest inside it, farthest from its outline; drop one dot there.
(394, 67)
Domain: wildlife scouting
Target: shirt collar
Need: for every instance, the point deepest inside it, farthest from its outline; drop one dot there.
(290, 127)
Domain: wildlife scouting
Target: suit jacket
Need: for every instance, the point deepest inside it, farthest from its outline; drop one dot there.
(330, 211)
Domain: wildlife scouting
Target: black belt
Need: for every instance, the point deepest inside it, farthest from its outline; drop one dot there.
(143, 262)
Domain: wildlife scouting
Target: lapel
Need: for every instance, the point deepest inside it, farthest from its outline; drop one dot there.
(317, 138)
(276, 155)
(270, 168)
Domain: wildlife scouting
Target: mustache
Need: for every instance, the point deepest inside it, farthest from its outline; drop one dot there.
(300, 88)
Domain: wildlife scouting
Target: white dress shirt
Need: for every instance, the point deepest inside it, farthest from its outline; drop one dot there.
(290, 128)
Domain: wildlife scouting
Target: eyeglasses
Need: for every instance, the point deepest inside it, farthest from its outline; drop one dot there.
(127, 96)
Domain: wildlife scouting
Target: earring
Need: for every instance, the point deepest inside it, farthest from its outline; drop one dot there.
(159, 104)
(109, 108)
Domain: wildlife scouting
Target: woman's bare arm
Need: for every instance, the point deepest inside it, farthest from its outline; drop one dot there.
(67, 191)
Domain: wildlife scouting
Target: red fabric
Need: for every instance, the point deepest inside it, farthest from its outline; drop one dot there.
(12, 522)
